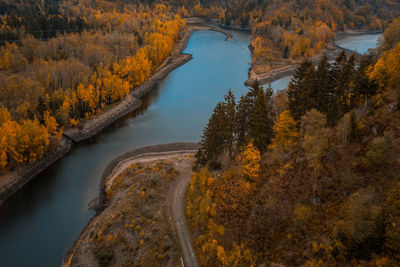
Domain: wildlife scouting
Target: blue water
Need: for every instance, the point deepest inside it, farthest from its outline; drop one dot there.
(281, 84)
(41, 221)
(359, 43)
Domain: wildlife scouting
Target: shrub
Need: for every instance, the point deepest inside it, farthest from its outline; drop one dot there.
(104, 256)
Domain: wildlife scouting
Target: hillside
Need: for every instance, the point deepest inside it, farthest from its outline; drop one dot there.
(311, 179)
(135, 227)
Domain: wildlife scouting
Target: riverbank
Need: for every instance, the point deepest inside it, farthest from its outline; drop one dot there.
(132, 101)
(332, 51)
(341, 35)
(13, 181)
(113, 166)
(80, 248)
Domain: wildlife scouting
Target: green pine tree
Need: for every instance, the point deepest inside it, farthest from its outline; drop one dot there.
(213, 140)
(260, 119)
(229, 107)
(364, 87)
(301, 90)
(242, 120)
(343, 72)
(324, 87)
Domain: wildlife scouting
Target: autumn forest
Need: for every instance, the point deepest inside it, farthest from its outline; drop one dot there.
(49, 85)
(71, 60)
(307, 176)
(303, 176)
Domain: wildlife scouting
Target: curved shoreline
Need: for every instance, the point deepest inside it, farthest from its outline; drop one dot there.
(332, 50)
(116, 165)
(132, 101)
(162, 148)
(11, 182)
(287, 70)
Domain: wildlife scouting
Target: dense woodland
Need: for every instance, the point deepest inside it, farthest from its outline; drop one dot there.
(72, 59)
(308, 176)
(305, 176)
(283, 31)
(73, 75)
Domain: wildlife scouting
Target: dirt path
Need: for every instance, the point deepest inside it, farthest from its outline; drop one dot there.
(176, 194)
(75, 256)
(175, 199)
(176, 213)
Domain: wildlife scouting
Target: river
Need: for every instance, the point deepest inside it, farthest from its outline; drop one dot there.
(359, 43)
(40, 222)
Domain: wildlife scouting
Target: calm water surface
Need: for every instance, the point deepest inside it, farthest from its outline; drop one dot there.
(281, 84)
(40, 222)
(359, 43)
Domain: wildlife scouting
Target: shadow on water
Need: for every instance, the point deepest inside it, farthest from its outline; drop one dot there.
(26, 199)
(28, 202)
(147, 100)
(43, 187)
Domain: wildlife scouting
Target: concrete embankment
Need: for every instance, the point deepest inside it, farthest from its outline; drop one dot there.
(180, 146)
(132, 101)
(14, 180)
(129, 104)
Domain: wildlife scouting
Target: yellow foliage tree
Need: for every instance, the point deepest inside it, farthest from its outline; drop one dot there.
(250, 163)
(159, 47)
(4, 115)
(136, 69)
(51, 124)
(240, 256)
(3, 150)
(27, 141)
(115, 88)
(387, 69)
(286, 133)
(221, 255)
